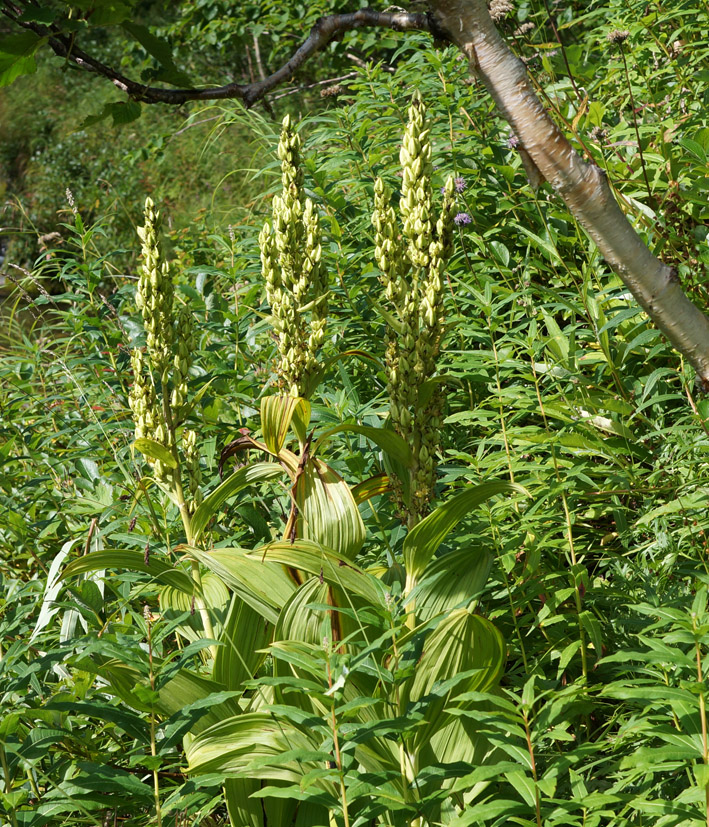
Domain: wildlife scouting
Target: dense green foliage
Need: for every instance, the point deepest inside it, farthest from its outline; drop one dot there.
(590, 582)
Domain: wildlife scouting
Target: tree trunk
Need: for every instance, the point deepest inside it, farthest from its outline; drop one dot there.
(583, 186)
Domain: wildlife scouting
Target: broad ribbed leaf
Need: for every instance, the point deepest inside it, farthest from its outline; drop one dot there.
(462, 642)
(126, 560)
(389, 441)
(451, 582)
(154, 450)
(245, 634)
(327, 512)
(187, 688)
(242, 809)
(333, 568)
(423, 540)
(240, 479)
(175, 602)
(301, 420)
(261, 583)
(371, 487)
(277, 412)
(231, 746)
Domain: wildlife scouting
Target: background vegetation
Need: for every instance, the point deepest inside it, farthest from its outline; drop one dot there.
(598, 582)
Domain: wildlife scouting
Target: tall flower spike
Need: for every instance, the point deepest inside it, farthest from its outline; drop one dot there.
(416, 197)
(194, 473)
(155, 291)
(412, 267)
(388, 252)
(293, 271)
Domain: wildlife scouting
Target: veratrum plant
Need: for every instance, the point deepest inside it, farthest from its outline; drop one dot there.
(352, 718)
(356, 726)
(295, 277)
(411, 262)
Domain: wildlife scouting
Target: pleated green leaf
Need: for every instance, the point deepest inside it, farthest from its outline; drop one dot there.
(245, 634)
(389, 441)
(127, 560)
(462, 643)
(371, 487)
(242, 809)
(262, 584)
(451, 581)
(240, 479)
(327, 511)
(187, 688)
(423, 540)
(277, 412)
(175, 602)
(233, 745)
(301, 420)
(315, 559)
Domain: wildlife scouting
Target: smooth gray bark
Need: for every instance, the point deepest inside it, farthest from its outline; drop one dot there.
(583, 186)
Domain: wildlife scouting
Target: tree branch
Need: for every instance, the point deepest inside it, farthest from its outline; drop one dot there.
(324, 30)
(583, 186)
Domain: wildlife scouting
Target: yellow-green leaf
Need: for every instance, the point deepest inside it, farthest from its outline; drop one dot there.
(154, 450)
(240, 479)
(327, 511)
(263, 584)
(423, 540)
(276, 415)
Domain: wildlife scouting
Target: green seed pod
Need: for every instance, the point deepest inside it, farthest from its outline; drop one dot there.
(412, 263)
(155, 292)
(295, 276)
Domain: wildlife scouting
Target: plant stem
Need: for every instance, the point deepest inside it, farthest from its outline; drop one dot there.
(8, 781)
(703, 714)
(185, 515)
(635, 125)
(533, 763)
(153, 745)
(338, 757)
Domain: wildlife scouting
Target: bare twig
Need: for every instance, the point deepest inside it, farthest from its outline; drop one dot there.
(324, 30)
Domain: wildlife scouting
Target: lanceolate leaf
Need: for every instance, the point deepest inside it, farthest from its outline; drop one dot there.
(327, 512)
(240, 479)
(131, 561)
(389, 441)
(276, 415)
(424, 539)
(334, 568)
(261, 583)
(370, 488)
(154, 450)
(245, 635)
(328, 363)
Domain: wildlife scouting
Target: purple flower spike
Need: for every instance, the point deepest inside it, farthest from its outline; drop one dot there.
(460, 184)
(513, 141)
(463, 218)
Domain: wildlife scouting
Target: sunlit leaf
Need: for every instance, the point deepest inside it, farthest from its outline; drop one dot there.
(240, 479)
(424, 539)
